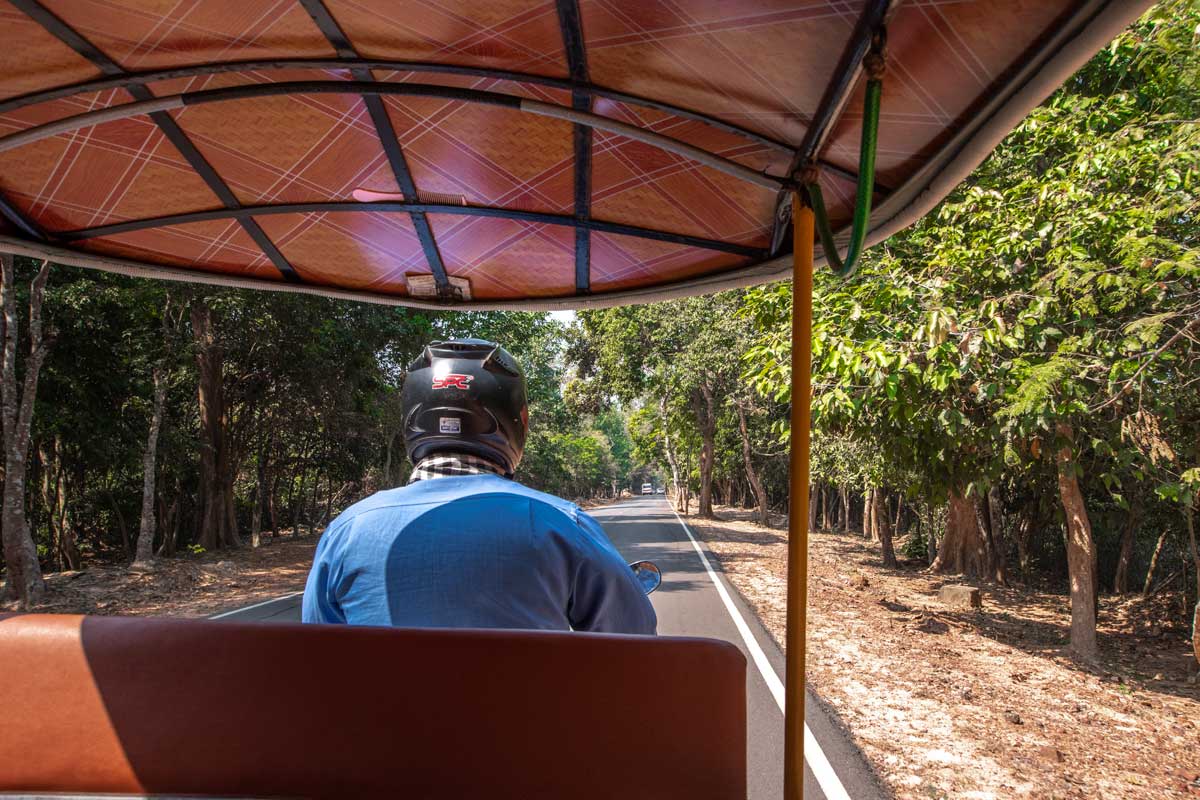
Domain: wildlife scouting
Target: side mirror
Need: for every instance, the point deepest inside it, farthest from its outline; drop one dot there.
(648, 575)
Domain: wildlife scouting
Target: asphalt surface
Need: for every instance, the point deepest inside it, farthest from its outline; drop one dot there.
(696, 600)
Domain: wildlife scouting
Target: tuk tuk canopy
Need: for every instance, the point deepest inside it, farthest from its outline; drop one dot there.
(510, 153)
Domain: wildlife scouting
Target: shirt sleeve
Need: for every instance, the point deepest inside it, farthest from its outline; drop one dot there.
(605, 595)
(320, 603)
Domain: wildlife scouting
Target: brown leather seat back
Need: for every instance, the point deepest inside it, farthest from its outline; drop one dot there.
(95, 704)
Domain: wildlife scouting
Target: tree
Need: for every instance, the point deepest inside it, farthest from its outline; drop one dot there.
(218, 526)
(160, 380)
(24, 582)
(1038, 329)
(760, 493)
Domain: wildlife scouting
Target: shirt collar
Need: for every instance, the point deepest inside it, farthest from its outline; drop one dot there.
(445, 465)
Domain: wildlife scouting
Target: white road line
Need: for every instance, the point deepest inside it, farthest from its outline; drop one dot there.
(822, 770)
(257, 605)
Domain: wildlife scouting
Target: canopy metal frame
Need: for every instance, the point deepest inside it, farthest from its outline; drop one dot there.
(169, 127)
(571, 25)
(385, 132)
(372, 91)
(128, 80)
(717, 245)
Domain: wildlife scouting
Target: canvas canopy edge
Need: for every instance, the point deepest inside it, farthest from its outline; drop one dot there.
(739, 277)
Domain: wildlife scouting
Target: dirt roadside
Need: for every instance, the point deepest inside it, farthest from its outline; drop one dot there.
(951, 703)
(187, 585)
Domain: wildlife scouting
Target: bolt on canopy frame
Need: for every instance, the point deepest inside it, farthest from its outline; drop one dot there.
(533, 154)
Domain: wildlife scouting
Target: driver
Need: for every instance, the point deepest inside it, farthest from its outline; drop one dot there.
(463, 545)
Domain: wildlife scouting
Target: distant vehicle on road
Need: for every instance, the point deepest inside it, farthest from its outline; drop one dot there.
(647, 488)
(661, 490)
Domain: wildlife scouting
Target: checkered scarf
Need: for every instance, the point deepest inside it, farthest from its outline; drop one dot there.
(444, 465)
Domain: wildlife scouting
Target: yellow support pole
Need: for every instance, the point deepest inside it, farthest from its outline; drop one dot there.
(797, 580)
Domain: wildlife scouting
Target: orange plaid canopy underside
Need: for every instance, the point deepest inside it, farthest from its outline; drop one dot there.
(508, 206)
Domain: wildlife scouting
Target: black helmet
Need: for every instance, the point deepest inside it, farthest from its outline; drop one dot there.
(466, 396)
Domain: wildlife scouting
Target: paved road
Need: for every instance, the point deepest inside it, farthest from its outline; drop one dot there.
(696, 600)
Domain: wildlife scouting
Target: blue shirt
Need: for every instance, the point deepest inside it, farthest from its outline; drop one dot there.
(473, 551)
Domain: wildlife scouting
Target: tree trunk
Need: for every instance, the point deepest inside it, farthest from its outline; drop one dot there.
(230, 528)
(24, 581)
(687, 483)
(256, 512)
(1158, 548)
(997, 544)
(1081, 553)
(48, 502)
(227, 466)
(260, 494)
(298, 498)
(760, 494)
(826, 508)
(327, 516)
(212, 498)
(1026, 525)
(963, 550)
(1125, 552)
(707, 417)
(670, 451)
(845, 490)
(387, 461)
(126, 544)
(145, 542)
(883, 531)
(899, 513)
(1196, 631)
(272, 508)
(64, 552)
(870, 513)
(815, 498)
(931, 542)
(170, 525)
(1189, 519)
(310, 505)
(68, 542)
(988, 517)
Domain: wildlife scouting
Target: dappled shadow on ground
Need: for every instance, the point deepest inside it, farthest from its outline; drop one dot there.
(949, 702)
(765, 537)
(1155, 663)
(1144, 643)
(681, 570)
(748, 515)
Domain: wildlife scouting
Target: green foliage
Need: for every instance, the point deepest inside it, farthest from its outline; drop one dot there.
(1057, 289)
(312, 408)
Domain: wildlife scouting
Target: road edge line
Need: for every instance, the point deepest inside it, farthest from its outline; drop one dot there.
(256, 605)
(817, 761)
